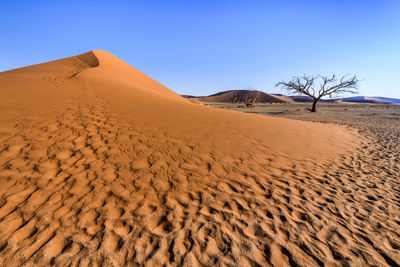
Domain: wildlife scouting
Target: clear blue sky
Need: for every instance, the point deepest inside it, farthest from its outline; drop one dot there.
(202, 47)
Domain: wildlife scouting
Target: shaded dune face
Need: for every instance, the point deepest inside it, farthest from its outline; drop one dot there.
(100, 164)
(242, 96)
(89, 59)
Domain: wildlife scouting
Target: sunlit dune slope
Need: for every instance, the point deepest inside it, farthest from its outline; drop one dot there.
(99, 163)
(132, 92)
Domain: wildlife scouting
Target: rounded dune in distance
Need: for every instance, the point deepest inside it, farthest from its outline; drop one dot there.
(101, 164)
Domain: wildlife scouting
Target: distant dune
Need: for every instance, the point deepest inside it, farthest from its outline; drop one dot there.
(369, 99)
(102, 165)
(258, 97)
(239, 96)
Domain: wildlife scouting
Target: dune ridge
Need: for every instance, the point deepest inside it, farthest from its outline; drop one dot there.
(102, 165)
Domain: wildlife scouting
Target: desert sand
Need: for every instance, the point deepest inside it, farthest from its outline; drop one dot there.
(101, 165)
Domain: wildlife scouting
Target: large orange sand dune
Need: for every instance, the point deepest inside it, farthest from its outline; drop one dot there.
(101, 164)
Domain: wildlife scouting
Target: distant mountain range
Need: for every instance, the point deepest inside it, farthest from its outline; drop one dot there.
(258, 97)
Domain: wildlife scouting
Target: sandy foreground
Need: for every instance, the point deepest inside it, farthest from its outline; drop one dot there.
(100, 165)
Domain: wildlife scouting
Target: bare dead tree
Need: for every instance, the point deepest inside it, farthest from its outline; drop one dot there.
(329, 86)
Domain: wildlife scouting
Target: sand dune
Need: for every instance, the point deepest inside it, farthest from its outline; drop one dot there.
(240, 96)
(102, 165)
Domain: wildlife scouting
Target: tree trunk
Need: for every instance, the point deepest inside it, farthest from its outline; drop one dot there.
(314, 105)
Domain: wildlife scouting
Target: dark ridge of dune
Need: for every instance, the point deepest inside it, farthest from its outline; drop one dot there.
(102, 165)
(301, 98)
(190, 96)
